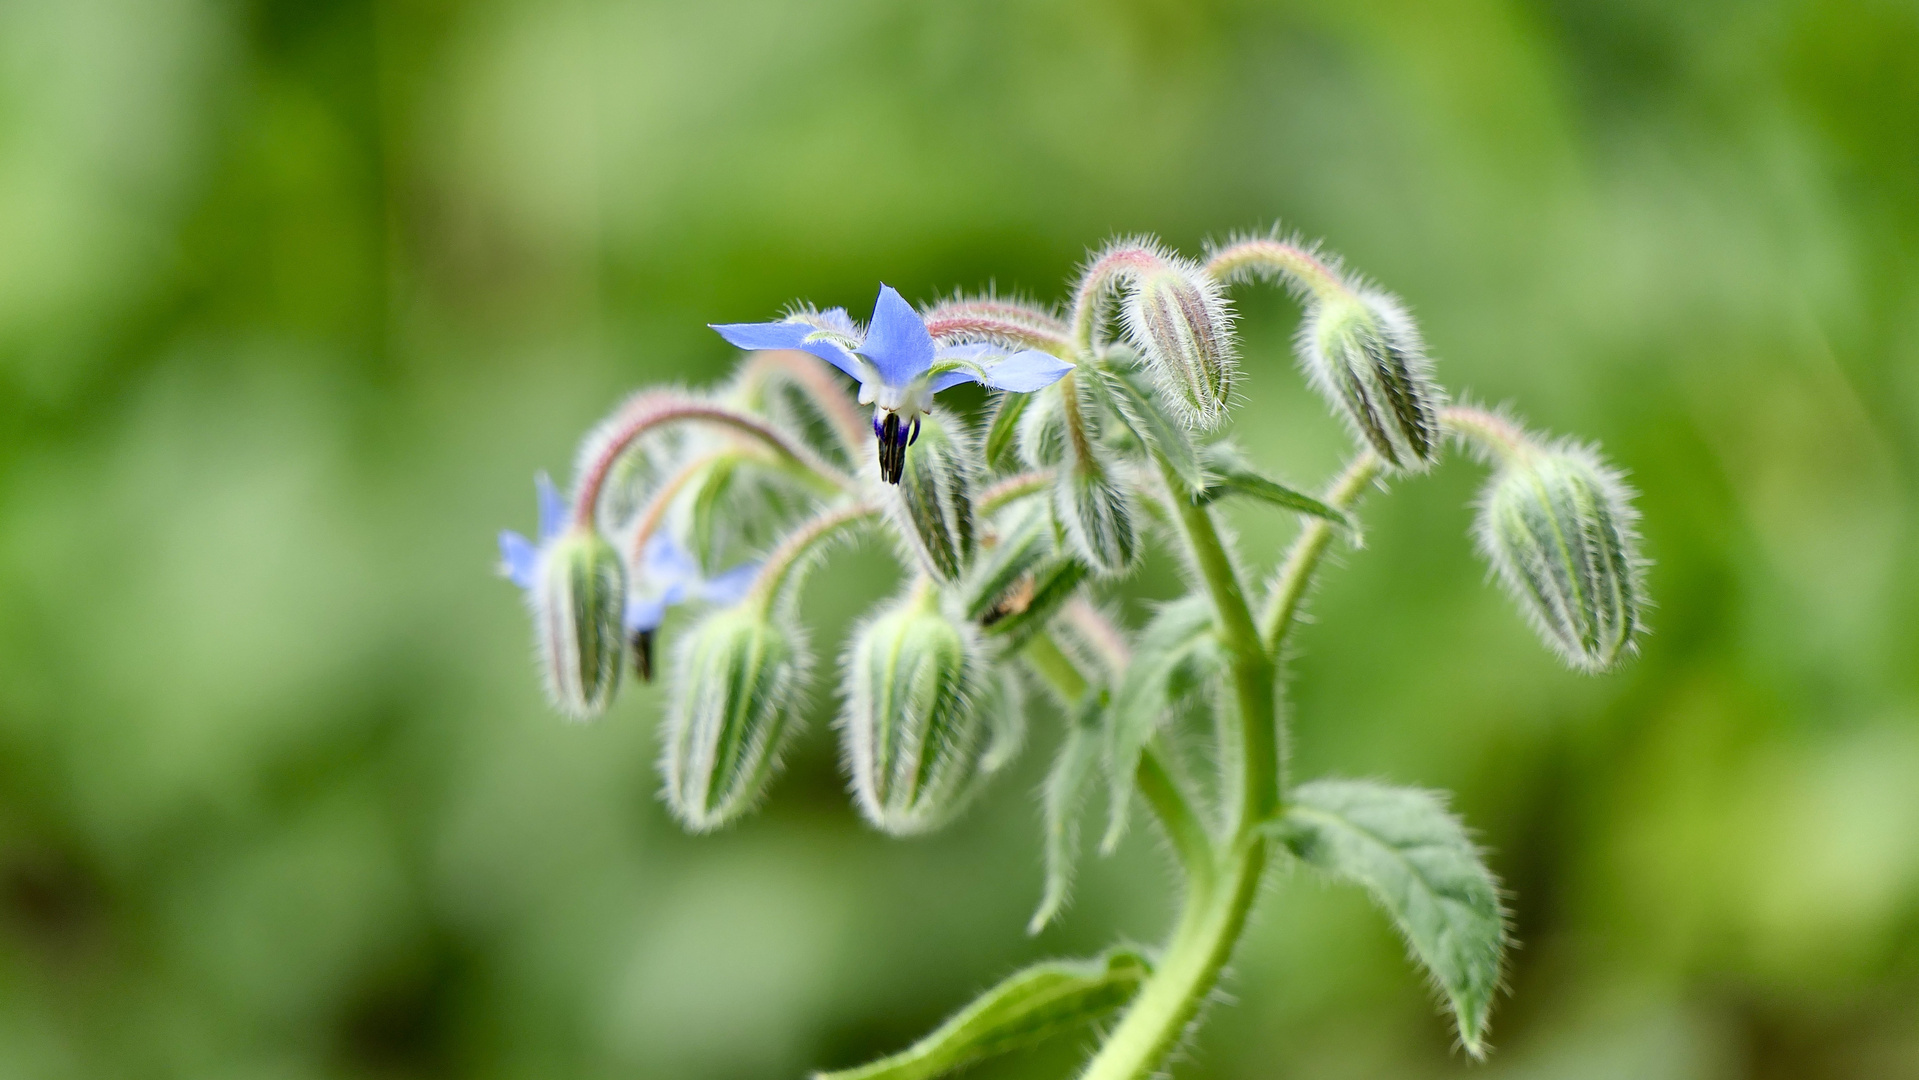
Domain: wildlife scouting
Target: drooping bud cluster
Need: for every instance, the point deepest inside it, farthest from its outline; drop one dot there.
(578, 597)
(736, 682)
(1364, 353)
(1558, 526)
(911, 726)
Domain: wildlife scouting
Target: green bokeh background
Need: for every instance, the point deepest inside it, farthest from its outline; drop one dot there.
(296, 296)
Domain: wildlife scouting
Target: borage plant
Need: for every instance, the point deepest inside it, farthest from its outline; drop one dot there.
(1006, 536)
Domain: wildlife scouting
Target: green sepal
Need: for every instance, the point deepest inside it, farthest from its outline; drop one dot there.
(1414, 857)
(1130, 396)
(1025, 1008)
(1054, 582)
(1174, 653)
(1227, 474)
(1024, 543)
(1001, 433)
(1061, 799)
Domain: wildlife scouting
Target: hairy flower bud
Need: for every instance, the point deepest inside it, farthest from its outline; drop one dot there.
(736, 679)
(1178, 318)
(1096, 514)
(578, 596)
(934, 500)
(1557, 524)
(1363, 352)
(1042, 430)
(912, 727)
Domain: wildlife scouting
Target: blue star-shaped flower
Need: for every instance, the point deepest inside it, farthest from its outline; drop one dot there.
(667, 575)
(898, 364)
(520, 557)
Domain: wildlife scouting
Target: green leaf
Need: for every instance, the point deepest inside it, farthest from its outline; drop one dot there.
(1026, 1008)
(1227, 474)
(1178, 642)
(1415, 858)
(1061, 798)
(1130, 395)
(1005, 426)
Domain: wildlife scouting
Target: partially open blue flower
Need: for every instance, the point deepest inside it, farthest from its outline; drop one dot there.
(669, 577)
(898, 364)
(520, 557)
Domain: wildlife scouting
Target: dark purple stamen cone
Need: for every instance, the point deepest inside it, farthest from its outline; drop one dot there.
(894, 438)
(643, 654)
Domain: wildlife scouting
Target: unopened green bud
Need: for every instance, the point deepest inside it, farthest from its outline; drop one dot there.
(1096, 514)
(1363, 352)
(1557, 524)
(736, 681)
(933, 502)
(578, 598)
(1178, 318)
(912, 728)
(1042, 430)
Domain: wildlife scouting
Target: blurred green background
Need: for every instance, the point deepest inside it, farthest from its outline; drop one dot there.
(296, 296)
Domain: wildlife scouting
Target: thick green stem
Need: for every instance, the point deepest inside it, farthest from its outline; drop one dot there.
(1209, 926)
(1296, 572)
(1253, 671)
(1218, 902)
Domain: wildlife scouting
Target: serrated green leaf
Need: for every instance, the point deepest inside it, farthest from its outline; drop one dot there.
(1179, 637)
(1415, 858)
(1061, 800)
(1005, 426)
(1025, 1008)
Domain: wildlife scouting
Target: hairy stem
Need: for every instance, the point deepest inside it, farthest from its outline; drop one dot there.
(652, 411)
(799, 548)
(1490, 432)
(1218, 901)
(1299, 268)
(1296, 571)
(811, 376)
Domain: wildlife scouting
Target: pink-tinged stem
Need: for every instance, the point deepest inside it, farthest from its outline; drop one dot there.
(653, 410)
(1112, 267)
(1299, 267)
(819, 383)
(1004, 310)
(1491, 431)
(656, 507)
(974, 327)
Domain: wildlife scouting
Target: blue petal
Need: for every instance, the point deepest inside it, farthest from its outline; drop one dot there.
(789, 335)
(665, 563)
(552, 508)
(951, 378)
(643, 613)
(729, 587)
(897, 341)
(519, 559)
(1025, 372)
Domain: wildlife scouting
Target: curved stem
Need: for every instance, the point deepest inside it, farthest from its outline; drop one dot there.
(800, 547)
(1296, 571)
(1253, 670)
(810, 374)
(1487, 431)
(1209, 926)
(662, 500)
(978, 326)
(1300, 268)
(651, 411)
(1112, 266)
